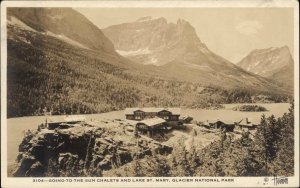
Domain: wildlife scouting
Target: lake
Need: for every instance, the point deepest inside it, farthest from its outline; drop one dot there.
(278, 109)
(17, 126)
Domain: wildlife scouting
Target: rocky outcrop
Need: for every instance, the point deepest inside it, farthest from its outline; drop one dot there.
(155, 41)
(82, 150)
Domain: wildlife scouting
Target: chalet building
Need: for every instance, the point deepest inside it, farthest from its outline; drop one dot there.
(186, 119)
(139, 114)
(245, 125)
(151, 125)
(218, 124)
(54, 122)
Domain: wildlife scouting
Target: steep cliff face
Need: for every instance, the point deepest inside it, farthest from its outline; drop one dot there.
(83, 149)
(154, 41)
(63, 23)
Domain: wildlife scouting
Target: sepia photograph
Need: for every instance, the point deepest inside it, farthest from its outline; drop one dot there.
(170, 95)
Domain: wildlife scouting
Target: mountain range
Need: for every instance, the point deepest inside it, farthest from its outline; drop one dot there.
(175, 49)
(59, 60)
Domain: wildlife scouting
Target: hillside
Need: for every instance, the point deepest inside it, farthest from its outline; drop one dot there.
(274, 63)
(285, 76)
(63, 23)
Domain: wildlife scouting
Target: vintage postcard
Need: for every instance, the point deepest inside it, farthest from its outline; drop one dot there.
(150, 93)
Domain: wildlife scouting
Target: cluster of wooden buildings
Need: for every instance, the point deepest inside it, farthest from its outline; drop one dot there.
(168, 114)
(243, 125)
(151, 120)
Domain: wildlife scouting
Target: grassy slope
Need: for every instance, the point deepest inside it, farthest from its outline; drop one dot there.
(285, 76)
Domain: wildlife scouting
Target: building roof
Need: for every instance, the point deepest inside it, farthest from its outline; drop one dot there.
(174, 111)
(152, 121)
(68, 118)
(75, 118)
(227, 122)
(245, 122)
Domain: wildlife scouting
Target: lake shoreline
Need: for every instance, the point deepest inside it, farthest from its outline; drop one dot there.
(17, 126)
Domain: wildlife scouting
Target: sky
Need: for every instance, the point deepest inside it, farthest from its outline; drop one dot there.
(230, 32)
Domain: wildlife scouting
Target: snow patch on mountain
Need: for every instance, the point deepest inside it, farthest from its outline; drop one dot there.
(256, 63)
(144, 19)
(204, 49)
(154, 60)
(15, 21)
(66, 39)
(199, 67)
(134, 52)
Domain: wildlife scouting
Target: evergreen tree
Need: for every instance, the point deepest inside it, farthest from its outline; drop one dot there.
(262, 140)
(158, 166)
(246, 164)
(284, 162)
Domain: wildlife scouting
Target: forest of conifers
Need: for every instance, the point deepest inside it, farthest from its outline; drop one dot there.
(48, 75)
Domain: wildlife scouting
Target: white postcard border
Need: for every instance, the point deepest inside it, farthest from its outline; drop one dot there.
(238, 181)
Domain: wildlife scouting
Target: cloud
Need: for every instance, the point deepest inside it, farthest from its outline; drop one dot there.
(249, 27)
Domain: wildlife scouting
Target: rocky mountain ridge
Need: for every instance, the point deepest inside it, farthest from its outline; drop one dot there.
(175, 51)
(155, 41)
(275, 63)
(266, 62)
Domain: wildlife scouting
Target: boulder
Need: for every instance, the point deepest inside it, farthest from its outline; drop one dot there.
(36, 170)
(50, 136)
(25, 163)
(105, 164)
(66, 159)
(20, 156)
(37, 150)
(124, 157)
(109, 140)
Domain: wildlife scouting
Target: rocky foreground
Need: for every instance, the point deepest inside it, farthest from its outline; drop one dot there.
(85, 149)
